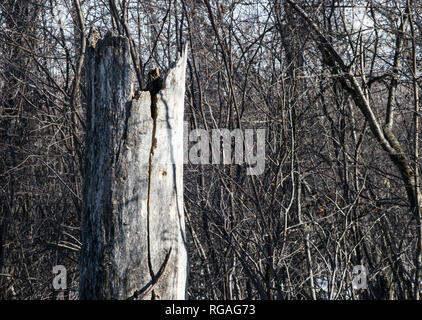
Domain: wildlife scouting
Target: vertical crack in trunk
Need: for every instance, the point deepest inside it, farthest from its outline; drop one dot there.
(154, 85)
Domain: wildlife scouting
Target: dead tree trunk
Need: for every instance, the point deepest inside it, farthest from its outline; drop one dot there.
(134, 244)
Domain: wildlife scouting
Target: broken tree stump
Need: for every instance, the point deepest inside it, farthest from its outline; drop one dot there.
(133, 229)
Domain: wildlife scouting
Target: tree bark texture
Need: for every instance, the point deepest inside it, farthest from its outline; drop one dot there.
(134, 244)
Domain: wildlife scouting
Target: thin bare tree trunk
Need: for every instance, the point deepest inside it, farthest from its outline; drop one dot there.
(415, 72)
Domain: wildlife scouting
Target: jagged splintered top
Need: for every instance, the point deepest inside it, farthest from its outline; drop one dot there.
(95, 42)
(111, 39)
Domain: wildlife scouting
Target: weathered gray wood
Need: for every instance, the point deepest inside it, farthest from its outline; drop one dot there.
(133, 221)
